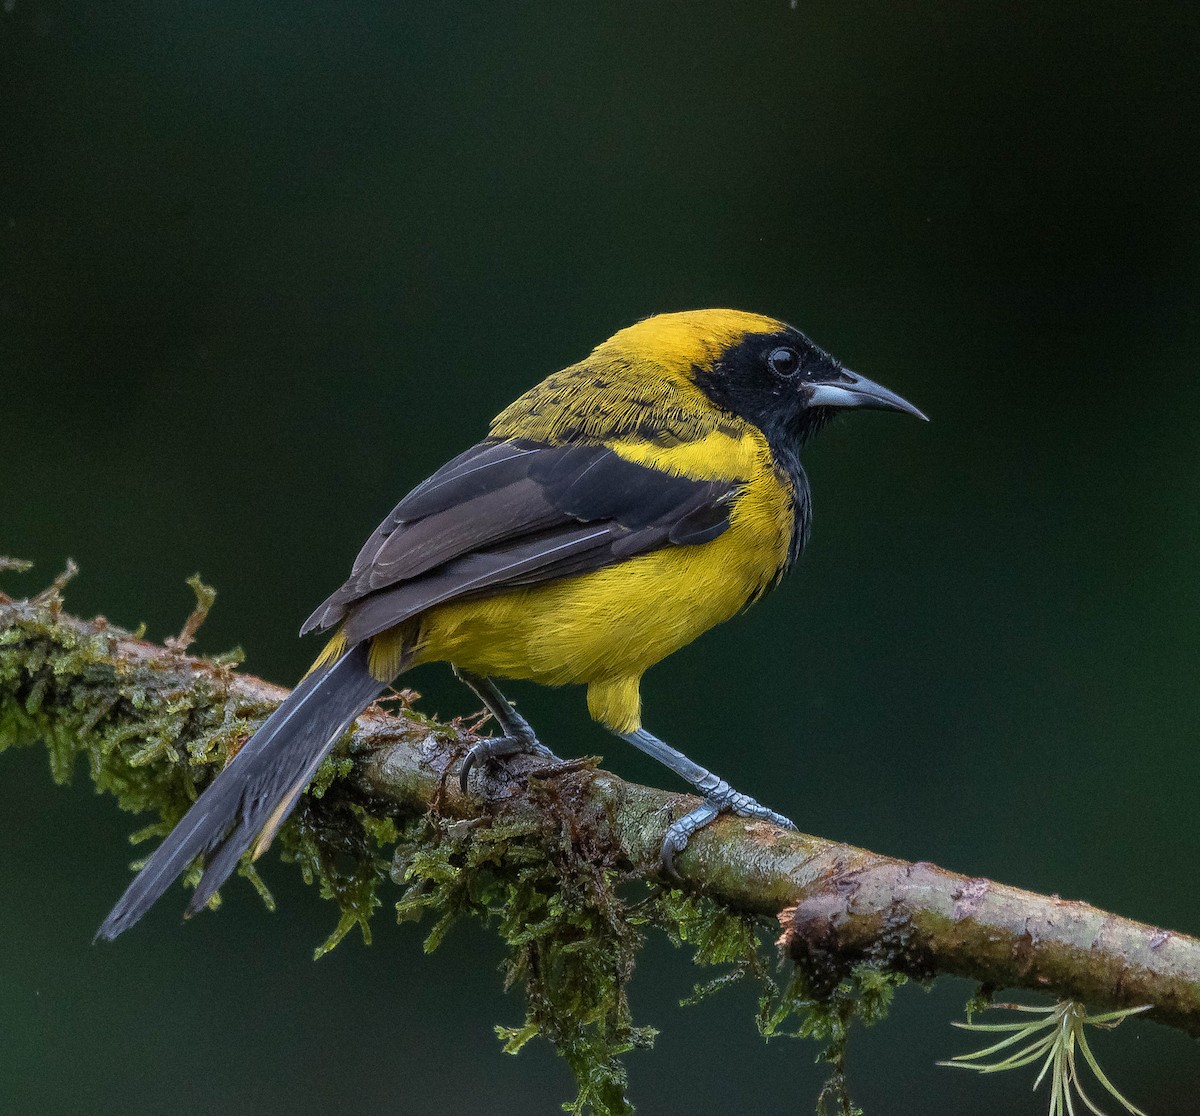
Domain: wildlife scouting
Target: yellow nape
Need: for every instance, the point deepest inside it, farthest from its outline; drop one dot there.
(680, 341)
(641, 379)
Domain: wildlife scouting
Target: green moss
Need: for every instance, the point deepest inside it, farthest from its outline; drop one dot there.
(573, 930)
(822, 1007)
(980, 1001)
(554, 902)
(153, 738)
(572, 918)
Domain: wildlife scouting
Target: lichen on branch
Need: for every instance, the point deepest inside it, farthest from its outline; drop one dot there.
(562, 861)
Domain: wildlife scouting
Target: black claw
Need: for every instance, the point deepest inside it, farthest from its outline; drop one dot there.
(497, 747)
(484, 750)
(680, 832)
(469, 761)
(667, 854)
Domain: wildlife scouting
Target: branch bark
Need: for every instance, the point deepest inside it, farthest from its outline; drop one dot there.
(837, 904)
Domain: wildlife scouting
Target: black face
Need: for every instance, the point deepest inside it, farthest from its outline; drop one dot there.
(767, 379)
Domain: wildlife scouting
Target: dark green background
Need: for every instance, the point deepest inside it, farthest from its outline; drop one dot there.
(263, 267)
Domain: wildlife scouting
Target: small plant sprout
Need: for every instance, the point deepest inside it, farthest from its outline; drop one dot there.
(1052, 1036)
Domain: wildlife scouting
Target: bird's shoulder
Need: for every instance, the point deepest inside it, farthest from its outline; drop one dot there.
(596, 464)
(610, 400)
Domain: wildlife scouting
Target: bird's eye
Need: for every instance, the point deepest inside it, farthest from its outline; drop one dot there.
(784, 361)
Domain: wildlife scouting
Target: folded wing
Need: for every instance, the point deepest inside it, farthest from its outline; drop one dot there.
(517, 513)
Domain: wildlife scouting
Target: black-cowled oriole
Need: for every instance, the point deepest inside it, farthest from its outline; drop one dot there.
(613, 513)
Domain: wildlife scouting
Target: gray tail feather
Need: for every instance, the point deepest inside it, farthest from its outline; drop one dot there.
(224, 821)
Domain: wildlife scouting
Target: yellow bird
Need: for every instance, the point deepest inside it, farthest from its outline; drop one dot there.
(613, 513)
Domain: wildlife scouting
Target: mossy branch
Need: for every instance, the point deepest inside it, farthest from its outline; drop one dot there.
(153, 722)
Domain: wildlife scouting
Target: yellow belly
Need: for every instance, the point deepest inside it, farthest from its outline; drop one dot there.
(605, 628)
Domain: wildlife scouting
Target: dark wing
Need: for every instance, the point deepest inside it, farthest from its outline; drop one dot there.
(517, 513)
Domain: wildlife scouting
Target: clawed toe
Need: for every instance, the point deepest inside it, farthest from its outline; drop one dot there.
(484, 751)
(679, 832)
(500, 747)
(718, 796)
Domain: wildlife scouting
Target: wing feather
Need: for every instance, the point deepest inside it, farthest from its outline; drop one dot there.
(518, 513)
(475, 574)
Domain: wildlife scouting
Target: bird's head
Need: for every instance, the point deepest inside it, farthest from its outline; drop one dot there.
(760, 369)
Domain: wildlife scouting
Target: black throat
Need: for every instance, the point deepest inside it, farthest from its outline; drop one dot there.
(787, 460)
(740, 384)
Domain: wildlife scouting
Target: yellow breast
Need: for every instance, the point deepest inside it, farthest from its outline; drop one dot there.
(607, 627)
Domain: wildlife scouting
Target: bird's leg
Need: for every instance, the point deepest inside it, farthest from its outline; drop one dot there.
(517, 735)
(718, 795)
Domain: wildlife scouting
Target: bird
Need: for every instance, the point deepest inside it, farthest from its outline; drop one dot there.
(613, 513)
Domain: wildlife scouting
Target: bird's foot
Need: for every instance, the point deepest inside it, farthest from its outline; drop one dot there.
(721, 796)
(494, 748)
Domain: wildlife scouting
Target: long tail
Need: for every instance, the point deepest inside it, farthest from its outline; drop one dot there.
(257, 790)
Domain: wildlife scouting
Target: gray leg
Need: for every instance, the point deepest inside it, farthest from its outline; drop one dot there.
(517, 736)
(718, 794)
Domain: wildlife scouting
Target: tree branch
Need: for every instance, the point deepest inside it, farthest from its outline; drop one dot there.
(61, 676)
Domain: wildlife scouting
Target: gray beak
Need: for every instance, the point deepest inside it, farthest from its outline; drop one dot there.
(850, 390)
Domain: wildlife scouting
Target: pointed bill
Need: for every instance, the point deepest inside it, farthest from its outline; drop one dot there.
(851, 390)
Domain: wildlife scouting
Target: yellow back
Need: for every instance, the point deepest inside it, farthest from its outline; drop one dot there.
(638, 383)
